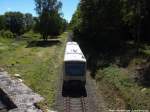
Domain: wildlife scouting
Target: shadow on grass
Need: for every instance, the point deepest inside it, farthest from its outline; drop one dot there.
(42, 43)
(144, 75)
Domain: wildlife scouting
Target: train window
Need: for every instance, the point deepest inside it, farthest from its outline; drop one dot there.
(75, 69)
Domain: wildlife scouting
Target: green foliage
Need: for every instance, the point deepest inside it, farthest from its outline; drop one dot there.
(15, 22)
(32, 35)
(106, 24)
(28, 21)
(2, 22)
(64, 24)
(75, 23)
(98, 23)
(104, 28)
(136, 97)
(36, 24)
(6, 34)
(116, 77)
(76, 19)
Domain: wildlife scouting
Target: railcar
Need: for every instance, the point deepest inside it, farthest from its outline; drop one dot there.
(74, 65)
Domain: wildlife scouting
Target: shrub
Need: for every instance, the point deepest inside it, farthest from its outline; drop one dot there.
(6, 34)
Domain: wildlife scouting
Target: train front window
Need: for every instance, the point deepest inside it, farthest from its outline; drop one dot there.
(75, 69)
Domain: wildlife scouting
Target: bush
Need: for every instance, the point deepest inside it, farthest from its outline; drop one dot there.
(6, 34)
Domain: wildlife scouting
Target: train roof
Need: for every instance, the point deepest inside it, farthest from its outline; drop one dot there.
(73, 52)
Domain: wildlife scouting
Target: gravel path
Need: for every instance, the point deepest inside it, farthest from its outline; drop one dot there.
(95, 98)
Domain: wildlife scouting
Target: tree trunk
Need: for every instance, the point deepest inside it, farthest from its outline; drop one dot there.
(44, 37)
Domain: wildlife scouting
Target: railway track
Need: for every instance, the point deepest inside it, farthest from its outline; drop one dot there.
(75, 104)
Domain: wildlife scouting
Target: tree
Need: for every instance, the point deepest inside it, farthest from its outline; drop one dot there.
(36, 24)
(15, 22)
(2, 22)
(64, 24)
(28, 21)
(108, 23)
(49, 17)
(76, 19)
(100, 25)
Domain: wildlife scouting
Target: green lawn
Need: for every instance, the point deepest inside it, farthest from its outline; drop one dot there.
(38, 66)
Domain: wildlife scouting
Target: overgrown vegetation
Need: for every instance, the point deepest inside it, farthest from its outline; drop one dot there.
(23, 52)
(38, 66)
(114, 36)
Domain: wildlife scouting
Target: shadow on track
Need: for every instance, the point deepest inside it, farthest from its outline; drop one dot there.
(74, 91)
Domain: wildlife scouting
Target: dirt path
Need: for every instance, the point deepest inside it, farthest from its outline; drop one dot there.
(96, 99)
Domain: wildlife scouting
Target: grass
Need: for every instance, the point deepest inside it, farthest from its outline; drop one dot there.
(32, 35)
(38, 66)
(119, 87)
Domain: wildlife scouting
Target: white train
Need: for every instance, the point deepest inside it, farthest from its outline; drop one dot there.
(74, 65)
